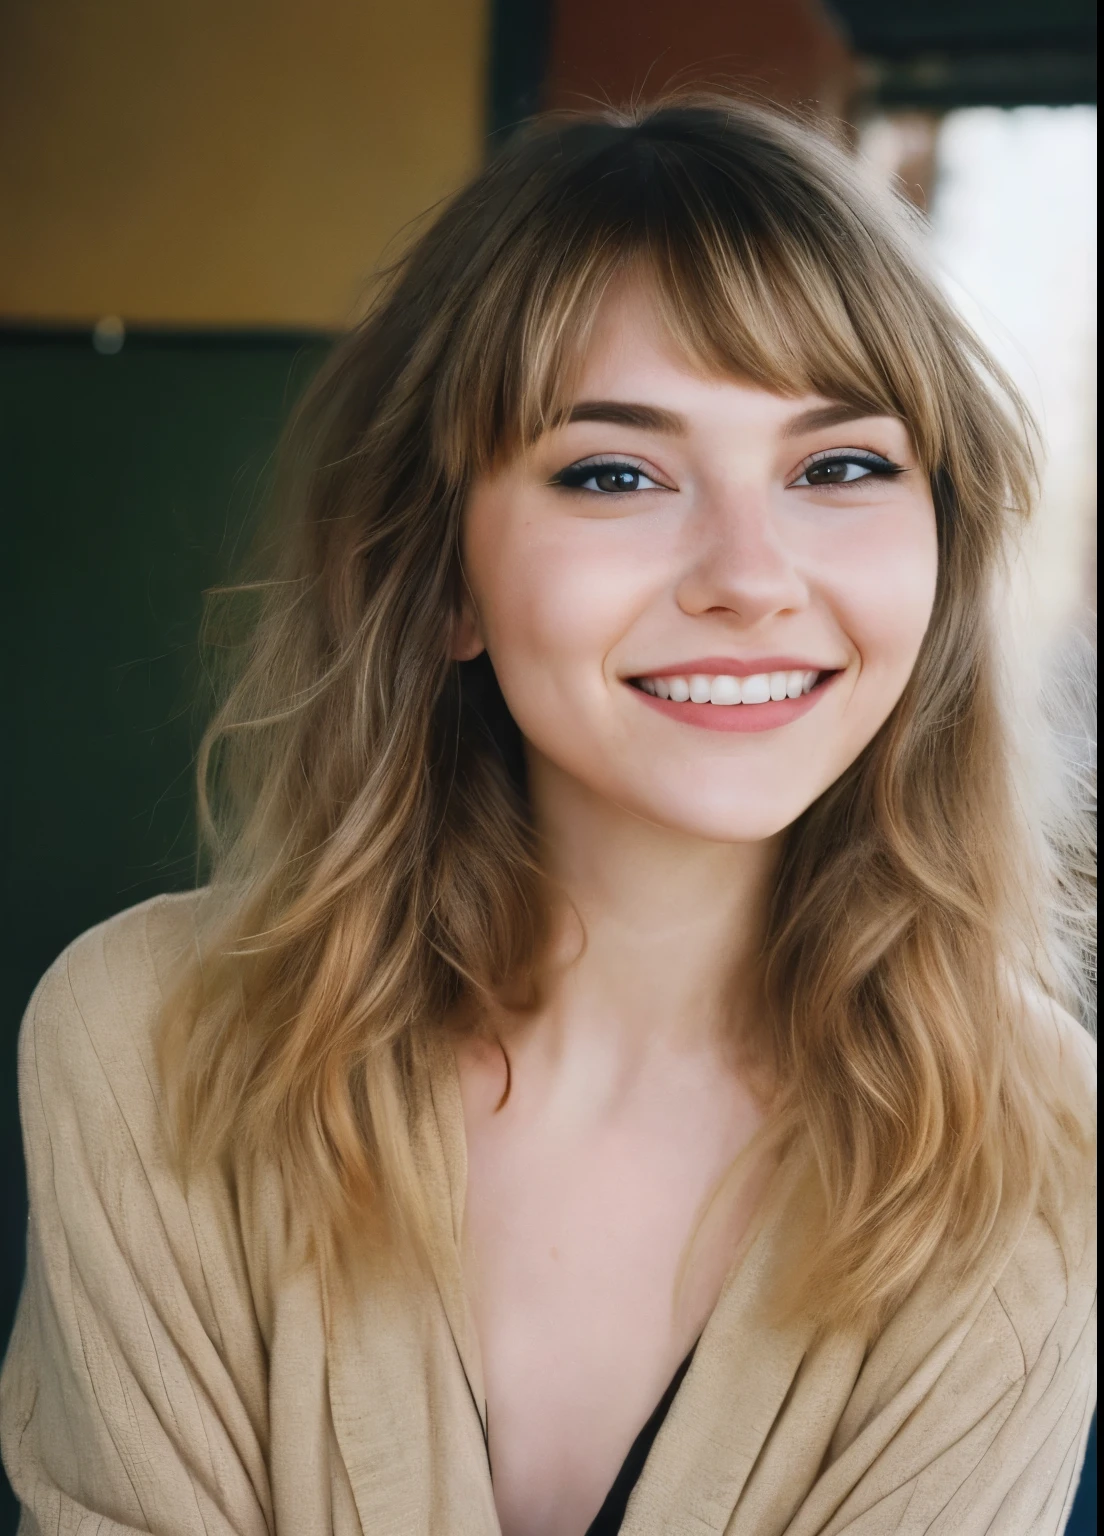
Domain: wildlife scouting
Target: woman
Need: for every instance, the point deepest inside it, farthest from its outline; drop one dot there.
(618, 1077)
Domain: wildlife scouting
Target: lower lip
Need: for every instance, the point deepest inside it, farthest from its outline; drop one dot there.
(740, 717)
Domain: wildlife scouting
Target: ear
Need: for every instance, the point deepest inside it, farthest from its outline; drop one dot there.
(467, 642)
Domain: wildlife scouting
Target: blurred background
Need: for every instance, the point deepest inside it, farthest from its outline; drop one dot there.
(192, 199)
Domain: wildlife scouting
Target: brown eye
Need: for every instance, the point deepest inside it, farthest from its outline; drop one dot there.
(613, 476)
(846, 469)
(832, 472)
(617, 479)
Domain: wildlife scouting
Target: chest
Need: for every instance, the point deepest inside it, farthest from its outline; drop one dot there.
(573, 1245)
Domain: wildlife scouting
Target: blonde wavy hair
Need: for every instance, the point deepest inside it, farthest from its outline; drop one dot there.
(363, 795)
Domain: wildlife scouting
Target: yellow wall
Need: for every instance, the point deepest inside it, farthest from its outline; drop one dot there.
(224, 161)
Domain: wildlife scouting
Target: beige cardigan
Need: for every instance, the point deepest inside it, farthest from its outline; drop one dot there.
(167, 1376)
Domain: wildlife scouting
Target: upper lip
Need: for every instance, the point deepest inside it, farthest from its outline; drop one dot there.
(731, 666)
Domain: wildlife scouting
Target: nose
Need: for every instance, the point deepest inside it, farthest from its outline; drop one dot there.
(739, 560)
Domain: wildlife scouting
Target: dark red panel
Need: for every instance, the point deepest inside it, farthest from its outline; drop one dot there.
(788, 51)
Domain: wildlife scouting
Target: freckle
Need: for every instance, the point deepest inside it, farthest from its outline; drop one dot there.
(554, 1252)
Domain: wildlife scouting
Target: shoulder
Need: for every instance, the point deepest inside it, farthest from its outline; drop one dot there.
(986, 1379)
(1046, 1288)
(131, 954)
(1026, 1307)
(1044, 1280)
(104, 1181)
(1044, 1297)
(86, 1047)
(137, 1375)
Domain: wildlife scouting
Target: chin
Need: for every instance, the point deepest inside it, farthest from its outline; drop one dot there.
(728, 817)
(747, 797)
(731, 829)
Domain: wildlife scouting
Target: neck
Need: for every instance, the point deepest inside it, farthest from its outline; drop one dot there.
(655, 933)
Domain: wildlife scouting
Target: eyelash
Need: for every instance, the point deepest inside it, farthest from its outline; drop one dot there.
(880, 468)
(575, 476)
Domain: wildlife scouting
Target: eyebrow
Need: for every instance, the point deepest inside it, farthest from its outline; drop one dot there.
(827, 416)
(627, 413)
(653, 418)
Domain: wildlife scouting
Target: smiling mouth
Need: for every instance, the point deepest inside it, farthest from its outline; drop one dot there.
(724, 690)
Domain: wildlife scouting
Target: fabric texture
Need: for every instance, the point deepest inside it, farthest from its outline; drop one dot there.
(175, 1372)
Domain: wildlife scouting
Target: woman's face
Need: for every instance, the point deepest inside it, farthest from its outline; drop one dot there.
(685, 541)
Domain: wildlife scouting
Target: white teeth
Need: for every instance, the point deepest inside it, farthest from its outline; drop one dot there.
(724, 690)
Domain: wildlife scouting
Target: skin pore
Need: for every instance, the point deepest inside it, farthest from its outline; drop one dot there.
(680, 524)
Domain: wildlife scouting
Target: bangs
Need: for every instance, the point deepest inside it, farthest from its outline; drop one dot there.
(756, 271)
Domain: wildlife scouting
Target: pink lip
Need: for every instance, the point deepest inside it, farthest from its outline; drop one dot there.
(739, 717)
(729, 666)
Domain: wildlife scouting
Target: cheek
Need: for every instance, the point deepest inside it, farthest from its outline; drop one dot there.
(883, 583)
(552, 600)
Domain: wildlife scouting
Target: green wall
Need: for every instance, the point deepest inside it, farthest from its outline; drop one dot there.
(128, 484)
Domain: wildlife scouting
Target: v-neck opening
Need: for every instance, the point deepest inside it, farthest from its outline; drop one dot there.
(609, 1519)
(741, 1289)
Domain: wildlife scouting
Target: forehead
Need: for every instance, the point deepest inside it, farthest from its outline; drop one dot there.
(633, 355)
(628, 330)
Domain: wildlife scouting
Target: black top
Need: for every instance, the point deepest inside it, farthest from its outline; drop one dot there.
(607, 1522)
